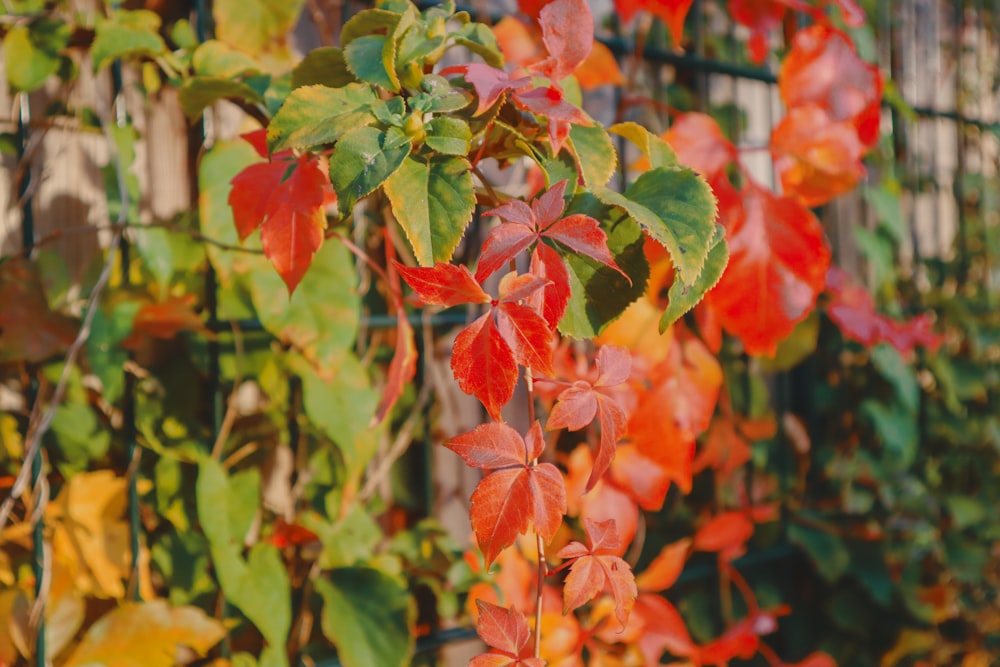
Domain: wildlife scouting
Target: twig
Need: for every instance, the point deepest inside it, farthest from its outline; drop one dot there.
(232, 403)
(398, 447)
(168, 226)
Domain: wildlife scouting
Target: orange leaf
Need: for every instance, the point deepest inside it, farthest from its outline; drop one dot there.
(671, 12)
(778, 258)
(165, 320)
(519, 494)
(816, 157)
(507, 632)
(700, 144)
(663, 571)
(596, 568)
(519, 42)
(726, 533)
(823, 68)
(599, 69)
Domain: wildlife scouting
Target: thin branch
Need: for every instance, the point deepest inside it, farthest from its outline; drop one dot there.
(398, 448)
(168, 226)
(232, 404)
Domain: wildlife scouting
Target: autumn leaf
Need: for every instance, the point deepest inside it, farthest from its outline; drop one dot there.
(524, 225)
(29, 330)
(581, 402)
(778, 258)
(671, 12)
(824, 69)
(725, 533)
(595, 568)
(816, 157)
(551, 301)
(403, 366)
(165, 319)
(519, 494)
(505, 631)
(285, 198)
(763, 17)
(662, 571)
(490, 83)
(148, 633)
(700, 144)
(443, 284)
(599, 69)
(568, 34)
(519, 41)
(852, 309)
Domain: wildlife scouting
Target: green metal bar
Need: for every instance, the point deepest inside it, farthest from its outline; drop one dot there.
(37, 462)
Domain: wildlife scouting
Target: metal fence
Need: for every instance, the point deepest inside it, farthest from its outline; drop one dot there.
(943, 127)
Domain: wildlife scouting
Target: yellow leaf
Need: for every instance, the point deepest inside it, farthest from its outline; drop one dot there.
(148, 634)
(89, 533)
(910, 642)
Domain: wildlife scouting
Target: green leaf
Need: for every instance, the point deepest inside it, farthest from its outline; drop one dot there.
(104, 352)
(890, 365)
(448, 135)
(257, 586)
(31, 53)
(368, 615)
(367, 23)
(342, 403)
(479, 39)
(595, 153)
(362, 160)
(795, 348)
(76, 438)
(215, 58)
(599, 294)
(317, 115)
(321, 318)
(827, 551)
(677, 208)
(126, 34)
(433, 202)
(869, 568)
(349, 541)
(200, 92)
(438, 96)
(896, 428)
(244, 499)
(255, 26)
(885, 202)
(965, 511)
(682, 297)
(324, 66)
(372, 59)
(183, 35)
(656, 150)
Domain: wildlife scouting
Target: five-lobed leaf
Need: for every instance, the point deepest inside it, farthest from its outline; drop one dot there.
(505, 631)
(596, 568)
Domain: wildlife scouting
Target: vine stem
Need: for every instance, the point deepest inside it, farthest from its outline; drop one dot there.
(539, 543)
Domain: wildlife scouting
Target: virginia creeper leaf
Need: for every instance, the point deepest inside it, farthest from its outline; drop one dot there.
(596, 568)
(568, 35)
(362, 160)
(433, 202)
(316, 115)
(505, 631)
(681, 297)
(369, 615)
(663, 571)
(656, 151)
(519, 494)
(125, 34)
(484, 365)
(443, 284)
(700, 144)
(777, 266)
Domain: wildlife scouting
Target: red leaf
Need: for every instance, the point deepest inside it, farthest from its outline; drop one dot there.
(553, 299)
(699, 144)
(443, 284)
(817, 158)
(549, 103)
(763, 17)
(726, 533)
(725, 450)
(493, 446)
(824, 69)
(504, 243)
(285, 199)
(508, 502)
(490, 83)
(584, 235)
(404, 360)
(514, 288)
(29, 329)
(528, 335)
(818, 659)
(290, 534)
(644, 481)
(599, 69)
(664, 629)
(579, 404)
(165, 319)
(778, 258)
(596, 568)
(507, 632)
(663, 571)
(671, 12)
(484, 365)
(568, 35)
(852, 309)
